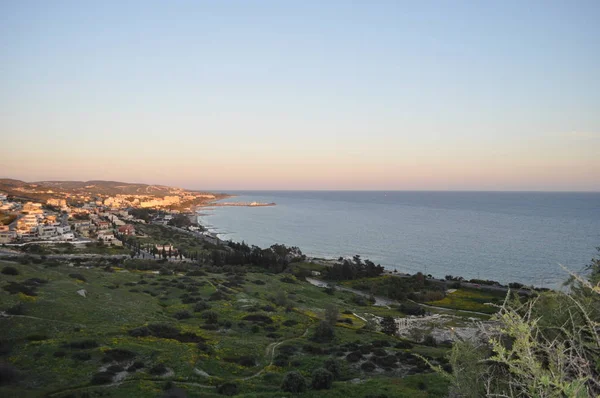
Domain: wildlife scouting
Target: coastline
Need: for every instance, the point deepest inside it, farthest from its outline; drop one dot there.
(329, 260)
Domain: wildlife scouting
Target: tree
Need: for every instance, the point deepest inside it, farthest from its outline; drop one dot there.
(388, 325)
(281, 298)
(331, 314)
(321, 379)
(323, 333)
(293, 382)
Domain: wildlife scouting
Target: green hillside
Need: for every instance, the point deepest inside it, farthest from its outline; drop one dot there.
(140, 334)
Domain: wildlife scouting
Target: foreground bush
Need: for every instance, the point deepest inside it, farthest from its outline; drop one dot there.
(228, 389)
(293, 382)
(321, 379)
(8, 270)
(548, 346)
(8, 374)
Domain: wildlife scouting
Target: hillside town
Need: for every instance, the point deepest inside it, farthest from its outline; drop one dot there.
(68, 217)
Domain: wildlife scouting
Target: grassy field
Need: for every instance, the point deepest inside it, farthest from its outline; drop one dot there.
(135, 331)
(470, 300)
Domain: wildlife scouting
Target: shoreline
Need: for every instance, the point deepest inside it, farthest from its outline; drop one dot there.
(390, 269)
(329, 261)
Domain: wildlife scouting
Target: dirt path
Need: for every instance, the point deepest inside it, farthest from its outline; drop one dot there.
(5, 315)
(270, 351)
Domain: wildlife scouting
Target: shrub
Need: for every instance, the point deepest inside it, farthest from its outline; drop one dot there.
(331, 314)
(323, 333)
(334, 367)
(388, 361)
(210, 317)
(14, 288)
(218, 295)
(78, 277)
(196, 273)
(35, 282)
(368, 366)
(258, 318)
(163, 331)
(8, 270)
(430, 341)
(293, 382)
(354, 356)
(245, 360)
(83, 344)
(118, 355)
(5, 347)
(182, 315)
(18, 309)
(290, 322)
(321, 379)
(381, 343)
(135, 366)
(173, 392)
(404, 345)
(140, 332)
(388, 325)
(287, 279)
(379, 352)
(59, 354)
(8, 374)
(102, 378)
(158, 369)
(201, 306)
(115, 368)
(228, 389)
(82, 356)
(37, 337)
(202, 346)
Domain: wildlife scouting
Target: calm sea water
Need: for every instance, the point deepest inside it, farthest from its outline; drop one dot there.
(504, 236)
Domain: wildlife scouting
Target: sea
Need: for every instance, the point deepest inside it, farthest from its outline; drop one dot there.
(503, 236)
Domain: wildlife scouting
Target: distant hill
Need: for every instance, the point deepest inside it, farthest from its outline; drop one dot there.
(44, 189)
(109, 187)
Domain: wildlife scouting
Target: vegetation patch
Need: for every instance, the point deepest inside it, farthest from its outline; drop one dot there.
(470, 300)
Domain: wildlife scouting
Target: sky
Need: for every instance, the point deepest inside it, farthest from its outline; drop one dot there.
(391, 95)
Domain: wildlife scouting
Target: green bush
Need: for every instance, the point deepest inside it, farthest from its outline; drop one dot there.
(228, 389)
(321, 379)
(8, 270)
(102, 377)
(182, 315)
(158, 369)
(293, 382)
(18, 309)
(78, 277)
(324, 333)
(334, 367)
(210, 317)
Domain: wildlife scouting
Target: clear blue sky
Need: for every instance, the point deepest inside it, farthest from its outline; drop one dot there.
(303, 95)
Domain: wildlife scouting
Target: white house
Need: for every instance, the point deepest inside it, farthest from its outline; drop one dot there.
(46, 231)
